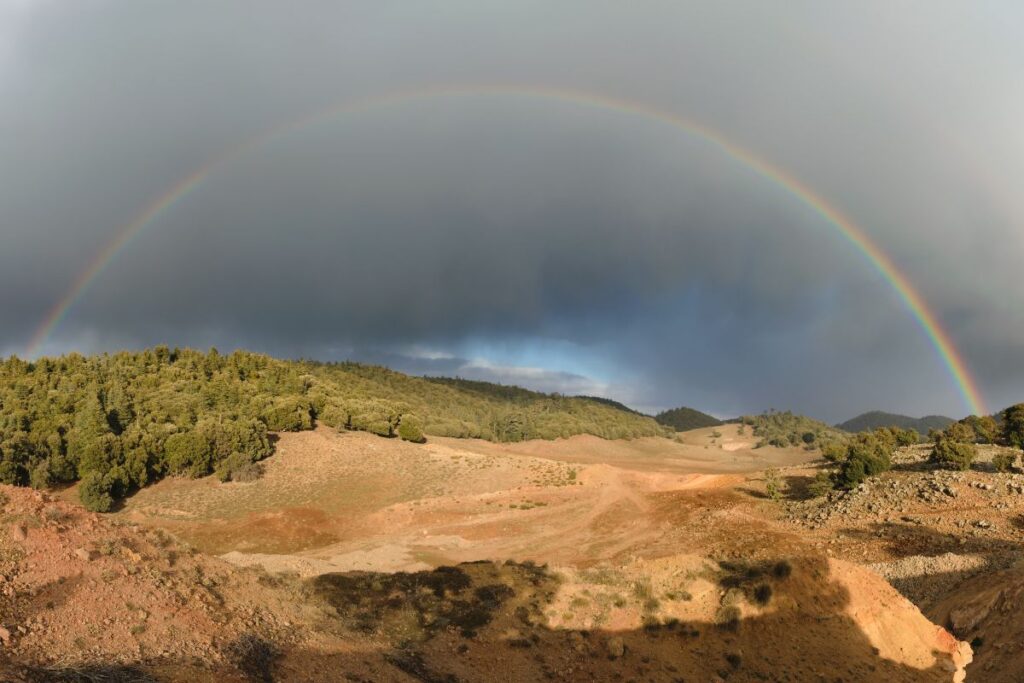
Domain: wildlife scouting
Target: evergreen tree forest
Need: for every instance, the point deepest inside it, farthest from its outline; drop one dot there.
(118, 422)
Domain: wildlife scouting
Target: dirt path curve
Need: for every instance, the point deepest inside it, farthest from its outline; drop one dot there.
(610, 514)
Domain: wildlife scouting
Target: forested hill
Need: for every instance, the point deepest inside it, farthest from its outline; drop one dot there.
(684, 419)
(785, 428)
(117, 422)
(876, 418)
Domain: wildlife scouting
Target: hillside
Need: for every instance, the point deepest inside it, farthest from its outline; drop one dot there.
(119, 422)
(785, 428)
(684, 419)
(876, 418)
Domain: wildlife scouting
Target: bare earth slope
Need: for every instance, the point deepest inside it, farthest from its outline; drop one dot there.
(578, 559)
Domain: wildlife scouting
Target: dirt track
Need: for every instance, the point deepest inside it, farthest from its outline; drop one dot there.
(337, 502)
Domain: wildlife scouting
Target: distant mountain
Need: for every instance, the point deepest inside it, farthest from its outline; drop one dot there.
(877, 418)
(684, 419)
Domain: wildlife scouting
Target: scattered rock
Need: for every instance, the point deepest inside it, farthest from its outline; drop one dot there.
(616, 648)
(5, 636)
(85, 555)
(18, 532)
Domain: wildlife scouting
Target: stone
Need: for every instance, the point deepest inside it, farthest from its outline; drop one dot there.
(85, 555)
(616, 648)
(18, 532)
(5, 636)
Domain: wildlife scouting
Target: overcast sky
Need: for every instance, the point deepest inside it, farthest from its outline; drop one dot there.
(521, 239)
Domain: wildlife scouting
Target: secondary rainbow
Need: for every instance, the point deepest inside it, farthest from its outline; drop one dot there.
(912, 300)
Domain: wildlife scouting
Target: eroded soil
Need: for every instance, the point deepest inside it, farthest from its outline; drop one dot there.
(359, 558)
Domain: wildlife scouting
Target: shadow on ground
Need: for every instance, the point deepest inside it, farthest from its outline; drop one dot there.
(484, 621)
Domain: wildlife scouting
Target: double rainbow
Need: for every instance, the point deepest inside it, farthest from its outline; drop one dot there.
(847, 229)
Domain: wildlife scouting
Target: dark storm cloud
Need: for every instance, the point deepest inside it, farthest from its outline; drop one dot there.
(661, 271)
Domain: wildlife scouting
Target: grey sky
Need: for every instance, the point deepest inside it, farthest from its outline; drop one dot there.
(531, 241)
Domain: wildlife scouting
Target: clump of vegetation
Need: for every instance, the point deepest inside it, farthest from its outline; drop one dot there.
(644, 592)
(119, 422)
(1004, 460)
(1013, 426)
(983, 429)
(94, 492)
(254, 657)
(239, 467)
(905, 437)
(822, 483)
(864, 455)
(773, 483)
(952, 454)
(785, 429)
(867, 455)
(409, 429)
(834, 451)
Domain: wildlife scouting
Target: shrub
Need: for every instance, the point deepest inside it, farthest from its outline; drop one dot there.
(409, 429)
(188, 453)
(238, 467)
(772, 483)
(866, 456)
(12, 473)
(823, 483)
(94, 491)
(335, 415)
(956, 455)
(40, 478)
(509, 427)
(1013, 426)
(376, 417)
(834, 451)
(958, 431)
(254, 657)
(907, 437)
(288, 415)
(1004, 460)
(984, 429)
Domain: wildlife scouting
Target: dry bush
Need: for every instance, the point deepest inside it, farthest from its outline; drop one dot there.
(254, 657)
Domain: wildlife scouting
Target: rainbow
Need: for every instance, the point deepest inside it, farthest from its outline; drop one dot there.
(847, 229)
